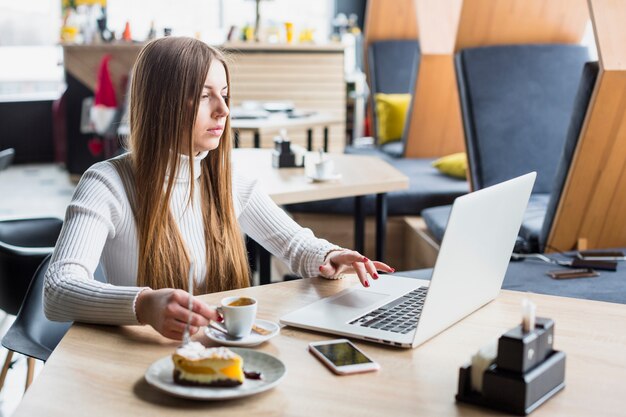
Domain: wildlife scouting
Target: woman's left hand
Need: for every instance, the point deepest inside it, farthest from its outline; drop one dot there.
(341, 261)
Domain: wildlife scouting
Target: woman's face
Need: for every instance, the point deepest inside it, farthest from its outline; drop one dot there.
(212, 110)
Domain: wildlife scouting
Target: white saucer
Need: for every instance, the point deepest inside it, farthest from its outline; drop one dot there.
(333, 177)
(252, 340)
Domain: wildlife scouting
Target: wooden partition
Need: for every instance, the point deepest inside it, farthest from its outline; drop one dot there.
(505, 22)
(435, 127)
(592, 209)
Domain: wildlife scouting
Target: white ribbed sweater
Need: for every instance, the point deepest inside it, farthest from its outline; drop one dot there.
(99, 227)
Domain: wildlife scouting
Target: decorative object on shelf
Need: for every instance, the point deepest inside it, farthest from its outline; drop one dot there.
(105, 102)
(525, 372)
(126, 35)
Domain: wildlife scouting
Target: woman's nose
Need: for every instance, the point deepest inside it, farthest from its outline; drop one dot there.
(221, 110)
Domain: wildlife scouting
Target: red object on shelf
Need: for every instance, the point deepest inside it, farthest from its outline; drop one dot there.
(126, 35)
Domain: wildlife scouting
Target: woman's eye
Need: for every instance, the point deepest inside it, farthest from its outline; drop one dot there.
(204, 96)
(226, 98)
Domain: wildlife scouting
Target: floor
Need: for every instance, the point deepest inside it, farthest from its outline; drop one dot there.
(28, 191)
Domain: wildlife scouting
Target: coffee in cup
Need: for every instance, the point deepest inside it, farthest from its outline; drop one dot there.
(239, 315)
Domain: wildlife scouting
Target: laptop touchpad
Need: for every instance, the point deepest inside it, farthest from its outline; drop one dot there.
(358, 299)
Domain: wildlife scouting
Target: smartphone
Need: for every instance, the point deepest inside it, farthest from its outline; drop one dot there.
(342, 357)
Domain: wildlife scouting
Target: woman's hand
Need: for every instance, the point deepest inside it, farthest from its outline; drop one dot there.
(166, 311)
(341, 261)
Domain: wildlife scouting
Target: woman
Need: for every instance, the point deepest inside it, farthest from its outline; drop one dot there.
(147, 215)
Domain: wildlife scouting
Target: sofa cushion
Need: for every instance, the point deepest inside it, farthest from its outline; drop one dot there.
(530, 276)
(454, 165)
(436, 218)
(391, 111)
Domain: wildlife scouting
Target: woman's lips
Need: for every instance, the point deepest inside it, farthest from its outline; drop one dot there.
(216, 130)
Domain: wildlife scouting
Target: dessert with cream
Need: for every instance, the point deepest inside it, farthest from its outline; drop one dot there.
(197, 365)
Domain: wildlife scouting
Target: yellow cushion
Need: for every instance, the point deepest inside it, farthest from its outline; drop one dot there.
(391, 112)
(454, 165)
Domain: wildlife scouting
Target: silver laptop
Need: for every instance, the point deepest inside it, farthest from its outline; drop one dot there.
(469, 271)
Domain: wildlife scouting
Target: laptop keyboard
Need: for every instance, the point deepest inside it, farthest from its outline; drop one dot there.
(399, 316)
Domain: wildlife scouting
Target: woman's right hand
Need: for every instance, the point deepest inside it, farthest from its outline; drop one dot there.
(166, 311)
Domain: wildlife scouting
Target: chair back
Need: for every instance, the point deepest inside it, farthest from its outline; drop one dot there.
(392, 68)
(24, 244)
(516, 103)
(6, 158)
(32, 334)
(581, 104)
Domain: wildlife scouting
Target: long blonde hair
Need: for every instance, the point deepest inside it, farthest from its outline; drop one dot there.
(166, 86)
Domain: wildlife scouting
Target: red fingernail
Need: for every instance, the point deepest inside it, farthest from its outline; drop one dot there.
(393, 270)
(365, 259)
(366, 283)
(321, 268)
(220, 319)
(375, 276)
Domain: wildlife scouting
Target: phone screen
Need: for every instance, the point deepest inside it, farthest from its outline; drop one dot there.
(342, 354)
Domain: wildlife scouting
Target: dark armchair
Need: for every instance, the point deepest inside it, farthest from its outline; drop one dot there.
(521, 113)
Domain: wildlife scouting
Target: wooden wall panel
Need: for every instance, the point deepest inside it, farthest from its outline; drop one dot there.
(501, 22)
(311, 80)
(593, 202)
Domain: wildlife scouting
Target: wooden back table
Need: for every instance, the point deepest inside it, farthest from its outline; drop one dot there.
(360, 175)
(99, 370)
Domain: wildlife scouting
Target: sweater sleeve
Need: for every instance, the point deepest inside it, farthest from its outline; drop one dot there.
(271, 227)
(70, 291)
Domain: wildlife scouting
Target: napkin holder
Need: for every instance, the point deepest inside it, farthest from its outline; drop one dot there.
(526, 373)
(283, 155)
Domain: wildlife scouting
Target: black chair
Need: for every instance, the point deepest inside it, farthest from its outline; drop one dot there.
(6, 158)
(24, 244)
(521, 114)
(392, 67)
(32, 334)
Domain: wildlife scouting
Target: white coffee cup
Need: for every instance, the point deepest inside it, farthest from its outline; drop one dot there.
(239, 315)
(325, 169)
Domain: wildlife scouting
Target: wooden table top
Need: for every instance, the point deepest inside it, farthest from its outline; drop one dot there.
(360, 175)
(276, 122)
(99, 370)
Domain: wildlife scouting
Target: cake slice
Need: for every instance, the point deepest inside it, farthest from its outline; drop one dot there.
(196, 365)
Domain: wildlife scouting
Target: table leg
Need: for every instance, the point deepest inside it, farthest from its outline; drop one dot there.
(309, 139)
(257, 140)
(325, 138)
(359, 224)
(236, 133)
(381, 225)
(265, 262)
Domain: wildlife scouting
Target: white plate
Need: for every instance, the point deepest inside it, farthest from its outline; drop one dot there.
(160, 376)
(333, 177)
(252, 340)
